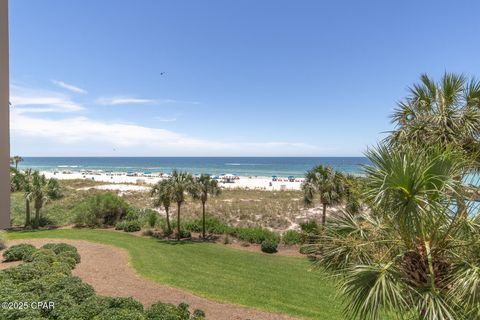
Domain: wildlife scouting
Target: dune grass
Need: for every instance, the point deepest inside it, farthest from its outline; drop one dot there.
(268, 282)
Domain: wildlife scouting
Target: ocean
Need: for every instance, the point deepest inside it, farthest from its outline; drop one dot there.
(243, 166)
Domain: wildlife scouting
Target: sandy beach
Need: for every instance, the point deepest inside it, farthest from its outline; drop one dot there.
(124, 182)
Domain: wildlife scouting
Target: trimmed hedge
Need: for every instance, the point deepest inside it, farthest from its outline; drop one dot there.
(46, 276)
(19, 252)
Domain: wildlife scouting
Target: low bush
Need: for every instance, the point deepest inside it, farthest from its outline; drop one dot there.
(310, 227)
(212, 225)
(46, 276)
(292, 237)
(42, 255)
(120, 314)
(167, 311)
(255, 235)
(104, 209)
(150, 218)
(70, 254)
(128, 225)
(132, 214)
(60, 247)
(19, 252)
(132, 226)
(269, 246)
(185, 234)
(120, 225)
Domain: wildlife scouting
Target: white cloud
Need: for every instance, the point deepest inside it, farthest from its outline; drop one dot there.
(165, 119)
(81, 135)
(113, 101)
(119, 100)
(69, 87)
(41, 101)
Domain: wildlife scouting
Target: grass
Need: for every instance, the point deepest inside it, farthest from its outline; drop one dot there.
(239, 207)
(268, 282)
(59, 211)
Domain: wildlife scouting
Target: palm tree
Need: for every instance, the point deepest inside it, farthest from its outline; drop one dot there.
(205, 186)
(16, 180)
(27, 193)
(327, 183)
(445, 113)
(411, 254)
(181, 184)
(163, 193)
(16, 160)
(54, 190)
(38, 195)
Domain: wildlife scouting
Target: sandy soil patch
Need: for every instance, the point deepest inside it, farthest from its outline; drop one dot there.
(106, 269)
(118, 187)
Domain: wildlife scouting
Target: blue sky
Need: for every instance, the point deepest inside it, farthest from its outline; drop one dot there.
(241, 78)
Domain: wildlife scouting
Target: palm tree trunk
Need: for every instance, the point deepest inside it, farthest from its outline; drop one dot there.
(37, 217)
(324, 214)
(168, 219)
(27, 212)
(178, 220)
(16, 165)
(203, 218)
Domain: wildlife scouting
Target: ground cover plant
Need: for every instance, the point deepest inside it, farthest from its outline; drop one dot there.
(45, 277)
(281, 284)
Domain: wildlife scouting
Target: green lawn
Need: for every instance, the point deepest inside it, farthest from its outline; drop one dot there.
(268, 282)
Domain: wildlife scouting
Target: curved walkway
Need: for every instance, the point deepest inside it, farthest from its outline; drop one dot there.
(106, 269)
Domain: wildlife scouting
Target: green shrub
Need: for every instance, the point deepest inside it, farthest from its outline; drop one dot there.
(60, 247)
(198, 314)
(185, 234)
(45, 276)
(255, 235)
(70, 254)
(74, 287)
(150, 217)
(269, 246)
(42, 255)
(193, 225)
(132, 226)
(310, 227)
(292, 237)
(104, 209)
(86, 310)
(212, 225)
(132, 214)
(19, 252)
(167, 311)
(123, 303)
(119, 314)
(128, 225)
(120, 225)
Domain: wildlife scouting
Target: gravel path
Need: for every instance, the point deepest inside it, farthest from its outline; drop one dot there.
(106, 269)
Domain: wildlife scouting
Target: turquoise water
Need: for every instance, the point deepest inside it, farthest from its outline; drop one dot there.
(244, 166)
